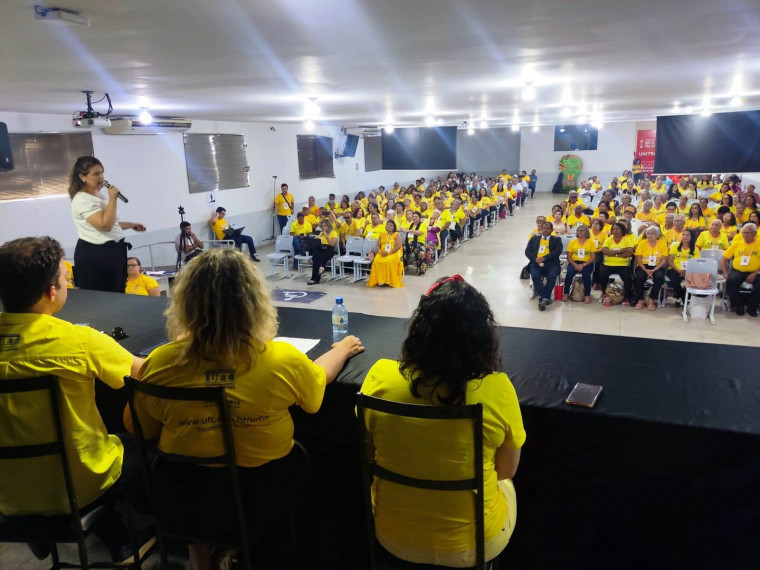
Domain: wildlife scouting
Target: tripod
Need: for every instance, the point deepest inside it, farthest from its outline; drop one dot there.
(184, 239)
(274, 195)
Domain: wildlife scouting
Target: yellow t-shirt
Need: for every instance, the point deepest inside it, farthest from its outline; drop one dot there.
(69, 274)
(543, 247)
(681, 257)
(140, 286)
(672, 236)
(324, 239)
(36, 345)
(284, 204)
(298, 229)
(581, 253)
(650, 216)
(282, 376)
(692, 224)
(746, 255)
(311, 219)
(609, 243)
(599, 239)
(652, 255)
(583, 219)
(406, 517)
(218, 227)
(373, 232)
(707, 241)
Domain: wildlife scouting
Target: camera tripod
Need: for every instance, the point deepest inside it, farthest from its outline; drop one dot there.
(184, 240)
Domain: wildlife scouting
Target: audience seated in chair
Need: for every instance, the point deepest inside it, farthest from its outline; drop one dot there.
(218, 338)
(543, 252)
(429, 527)
(106, 469)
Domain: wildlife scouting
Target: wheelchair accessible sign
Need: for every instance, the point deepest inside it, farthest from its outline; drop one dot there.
(294, 296)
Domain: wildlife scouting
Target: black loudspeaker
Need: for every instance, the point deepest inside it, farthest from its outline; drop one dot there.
(6, 160)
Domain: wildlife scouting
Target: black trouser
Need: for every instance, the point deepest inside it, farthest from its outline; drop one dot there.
(511, 204)
(101, 267)
(733, 284)
(532, 191)
(240, 239)
(476, 220)
(597, 267)
(640, 277)
(676, 280)
(455, 232)
(585, 275)
(625, 274)
(320, 257)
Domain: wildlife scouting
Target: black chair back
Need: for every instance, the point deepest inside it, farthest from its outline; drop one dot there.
(57, 447)
(371, 469)
(207, 394)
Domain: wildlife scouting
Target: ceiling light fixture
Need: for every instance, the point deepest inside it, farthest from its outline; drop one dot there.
(430, 120)
(706, 110)
(470, 131)
(529, 93)
(145, 117)
(309, 125)
(737, 90)
(311, 109)
(566, 111)
(677, 106)
(439, 121)
(736, 101)
(483, 124)
(535, 122)
(389, 129)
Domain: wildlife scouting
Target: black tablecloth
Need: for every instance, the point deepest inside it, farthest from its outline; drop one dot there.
(663, 473)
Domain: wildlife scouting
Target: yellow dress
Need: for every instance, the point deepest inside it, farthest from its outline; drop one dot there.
(387, 270)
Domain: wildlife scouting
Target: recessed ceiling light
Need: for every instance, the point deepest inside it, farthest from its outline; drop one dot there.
(736, 101)
(309, 125)
(535, 128)
(430, 120)
(483, 124)
(439, 122)
(389, 129)
(470, 131)
(515, 127)
(706, 110)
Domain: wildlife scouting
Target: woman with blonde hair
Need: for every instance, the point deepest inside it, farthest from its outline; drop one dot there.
(222, 327)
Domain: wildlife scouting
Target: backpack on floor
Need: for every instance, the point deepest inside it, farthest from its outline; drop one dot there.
(525, 272)
(615, 293)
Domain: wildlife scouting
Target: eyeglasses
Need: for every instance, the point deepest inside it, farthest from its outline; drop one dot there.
(132, 265)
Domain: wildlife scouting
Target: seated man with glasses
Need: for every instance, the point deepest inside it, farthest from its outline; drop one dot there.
(105, 468)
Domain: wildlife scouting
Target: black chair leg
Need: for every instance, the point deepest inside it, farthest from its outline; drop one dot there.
(162, 549)
(294, 541)
(54, 555)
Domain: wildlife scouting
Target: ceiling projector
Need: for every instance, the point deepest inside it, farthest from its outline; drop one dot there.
(87, 123)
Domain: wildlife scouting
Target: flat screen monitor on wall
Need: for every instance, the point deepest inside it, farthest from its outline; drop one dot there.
(575, 137)
(422, 148)
(722, 142)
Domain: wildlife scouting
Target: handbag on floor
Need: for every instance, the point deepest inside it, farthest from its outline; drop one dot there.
(576, 289)
(615, 293)
(525, 272)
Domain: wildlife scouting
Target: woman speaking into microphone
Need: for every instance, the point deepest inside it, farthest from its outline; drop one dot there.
(100, 257)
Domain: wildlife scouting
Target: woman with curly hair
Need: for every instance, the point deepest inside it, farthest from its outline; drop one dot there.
(221, 323)
(429, 527)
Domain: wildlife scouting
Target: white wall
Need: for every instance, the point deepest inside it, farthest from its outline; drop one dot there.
(150, 170)
(616, 144)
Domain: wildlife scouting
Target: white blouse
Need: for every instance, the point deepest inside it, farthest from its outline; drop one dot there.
(85, 205)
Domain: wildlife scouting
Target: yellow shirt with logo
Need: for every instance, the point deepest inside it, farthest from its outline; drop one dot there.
(599, 239)
(572, 220)
(746, 255)
(301, 229)
(37, 345)
(692, 224)
(284, 204)
(581, 253)
(282, 376)
(409, 518)
(324, 238)
(707, 241)
(373, 232)
(672, 236)
(650, 216)
(140, 285)
(615, 246)
(652, 255)
(681, 257)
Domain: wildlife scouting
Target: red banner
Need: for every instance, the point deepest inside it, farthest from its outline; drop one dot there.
(645, 145)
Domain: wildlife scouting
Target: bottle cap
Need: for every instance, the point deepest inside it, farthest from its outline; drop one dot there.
(339, 300)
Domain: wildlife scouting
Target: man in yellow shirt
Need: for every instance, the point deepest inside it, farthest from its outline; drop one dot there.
(104, 468)
(673, 235)
(745, 252)
(284, 206)
(578, 217)
(219, 226)
(298, 230)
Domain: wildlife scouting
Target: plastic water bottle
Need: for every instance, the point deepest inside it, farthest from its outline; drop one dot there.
(339, 320)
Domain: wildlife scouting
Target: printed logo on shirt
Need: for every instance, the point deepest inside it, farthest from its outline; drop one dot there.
(9, 342)
(224, 378)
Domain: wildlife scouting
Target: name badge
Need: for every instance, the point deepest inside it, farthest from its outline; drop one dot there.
(596, 243)
(387, 248)
(581, 253)
(683, 266)
(286, 206)
(652, 260)
(744, 260)
(542, 249)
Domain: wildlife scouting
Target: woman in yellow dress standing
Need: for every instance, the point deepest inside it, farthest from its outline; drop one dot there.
(387, 268)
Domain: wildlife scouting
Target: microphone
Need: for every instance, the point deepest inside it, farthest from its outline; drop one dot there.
(120, 196)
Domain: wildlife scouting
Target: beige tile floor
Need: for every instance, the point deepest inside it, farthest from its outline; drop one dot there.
(492, 263)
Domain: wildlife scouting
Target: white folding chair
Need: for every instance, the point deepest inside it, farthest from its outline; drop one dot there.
(720, 281)
(353, 251)
(283, 252)
(702, 266)
(362, 264)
